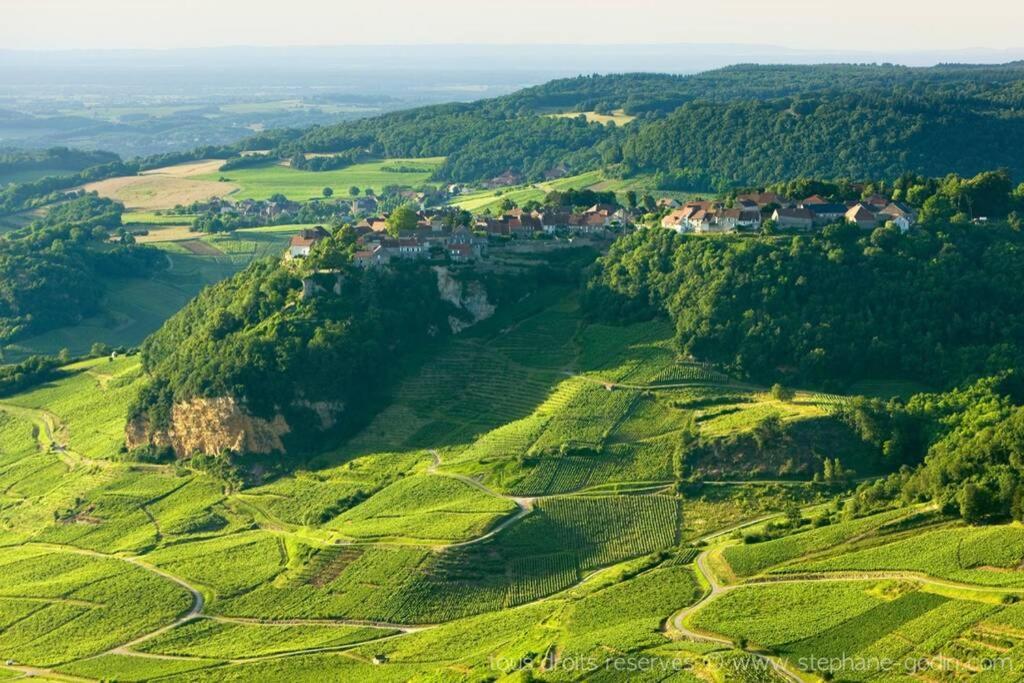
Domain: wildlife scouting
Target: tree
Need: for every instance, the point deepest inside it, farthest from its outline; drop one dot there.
(99, 349)
(1015, 221)
(767, 431)
(327, 193)
(353, 191)
(793, 515)
(781, 393)
(402, 219)
(973, 503)
(1017, 504)
(631, 199)
(649, 203)
(937, 210)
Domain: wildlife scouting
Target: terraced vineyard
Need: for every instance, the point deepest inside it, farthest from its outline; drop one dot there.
(535, 510)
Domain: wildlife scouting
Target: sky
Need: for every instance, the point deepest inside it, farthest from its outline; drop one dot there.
(803, 24)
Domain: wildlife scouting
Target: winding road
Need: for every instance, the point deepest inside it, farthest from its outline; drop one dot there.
(676, 625)
(525, 504)
(716, 589)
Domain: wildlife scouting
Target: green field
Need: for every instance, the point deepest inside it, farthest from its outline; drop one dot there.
(490, 200)
(148, 218)
(262, 182)
(480, 201)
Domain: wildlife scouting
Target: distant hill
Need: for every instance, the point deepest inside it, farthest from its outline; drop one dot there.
(739, 125)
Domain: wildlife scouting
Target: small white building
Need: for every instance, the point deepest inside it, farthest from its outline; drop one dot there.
(301, 244)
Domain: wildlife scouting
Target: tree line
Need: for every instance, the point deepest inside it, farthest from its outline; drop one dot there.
(54, 272)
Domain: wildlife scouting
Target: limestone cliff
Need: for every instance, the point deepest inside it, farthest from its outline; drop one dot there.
(469, 296)
(211, 425)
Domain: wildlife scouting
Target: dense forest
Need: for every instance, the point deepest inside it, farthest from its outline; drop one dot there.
(962, 449)
(479, 141)
(942, 303)
(854, 135)
(643, 94)
(54, 272)
(733, 126)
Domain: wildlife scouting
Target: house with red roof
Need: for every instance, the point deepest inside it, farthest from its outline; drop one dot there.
(301, 244)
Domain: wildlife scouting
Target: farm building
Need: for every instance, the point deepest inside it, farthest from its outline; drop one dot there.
(861, 216)
(794, 218)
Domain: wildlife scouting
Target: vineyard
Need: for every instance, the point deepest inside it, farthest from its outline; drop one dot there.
(977, 556)
(59, 606)
(236, 640)
(523, 499)
(424, 508)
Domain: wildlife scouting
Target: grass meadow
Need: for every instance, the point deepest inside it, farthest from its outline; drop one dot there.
(263, 181)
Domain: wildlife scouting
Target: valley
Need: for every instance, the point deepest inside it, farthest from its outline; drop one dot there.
(448, 519)
(709, 378)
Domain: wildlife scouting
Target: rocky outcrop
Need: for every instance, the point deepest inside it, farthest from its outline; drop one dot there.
(211, 425)
(469, 296)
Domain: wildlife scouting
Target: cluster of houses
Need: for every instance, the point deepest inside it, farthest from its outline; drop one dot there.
(596, 220)
(748, 210)
(270, 210)
(432, 235)
(709, 216)
(379, 249)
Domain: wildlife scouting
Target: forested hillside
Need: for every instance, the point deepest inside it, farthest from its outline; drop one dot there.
(734, 126)
(940, 304)
(55, 272)
(254, 339)
(318, 347)
(639, 94)
(25, 165)
(853, 135)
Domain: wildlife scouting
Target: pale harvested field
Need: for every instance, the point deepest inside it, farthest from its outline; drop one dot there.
(159, 191)
(619, 117)
(170, 233)
(187, 169)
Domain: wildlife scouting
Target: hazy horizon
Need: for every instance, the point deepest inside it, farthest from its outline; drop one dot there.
(797, 24)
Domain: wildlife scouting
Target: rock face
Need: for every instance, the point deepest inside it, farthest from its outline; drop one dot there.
(211, 425)
(469, 296)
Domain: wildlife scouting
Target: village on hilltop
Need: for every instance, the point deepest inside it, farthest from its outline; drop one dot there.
(749, 211)
(437, 235)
